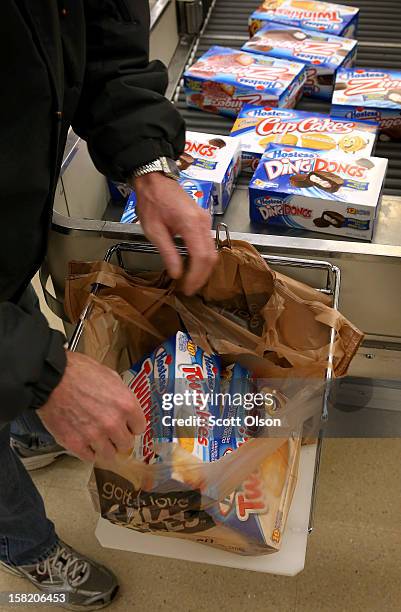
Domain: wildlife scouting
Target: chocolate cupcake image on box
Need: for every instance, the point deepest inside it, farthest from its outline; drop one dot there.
(217, 142)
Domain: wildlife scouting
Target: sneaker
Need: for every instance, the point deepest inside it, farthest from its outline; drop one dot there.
(34, 453)
(86, 584)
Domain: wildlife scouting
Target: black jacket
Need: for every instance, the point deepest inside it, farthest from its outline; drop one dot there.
(69, 62)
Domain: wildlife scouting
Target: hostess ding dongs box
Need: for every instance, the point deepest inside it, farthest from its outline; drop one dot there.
(364, 94)
(322, 53)
(317, 191)
(258, 127)
(322, 16)
(223, 79)
(215, 159)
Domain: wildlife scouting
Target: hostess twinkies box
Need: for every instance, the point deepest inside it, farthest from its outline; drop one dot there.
(223, 79)
(215, 159)
(317, 191)
(258, 127)
(257, 510)
(322, 16)
(322, 53)
(200, 191)
(177, 387)
(364, 94)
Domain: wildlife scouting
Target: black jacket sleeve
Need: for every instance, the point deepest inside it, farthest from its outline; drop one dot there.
(123, 114)
(26, 342)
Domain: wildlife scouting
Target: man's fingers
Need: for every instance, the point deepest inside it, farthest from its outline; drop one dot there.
(202, 257)
(161, 238)
(104, 449)
(136, 421)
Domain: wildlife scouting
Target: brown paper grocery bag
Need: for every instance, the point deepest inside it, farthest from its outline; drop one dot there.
(244, 309)
(275, 326)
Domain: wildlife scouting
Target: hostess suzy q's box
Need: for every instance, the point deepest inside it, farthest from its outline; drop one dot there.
(214, 159)
(364, 94)
(321, 16)
(200, 191)
(258, 127)
(317, 191)
(178, 380)
(322, 53)
(223, 79)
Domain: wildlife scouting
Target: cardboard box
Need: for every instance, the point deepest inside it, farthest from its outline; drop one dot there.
(215, 159)
(200, 191)
(257, 127)
(322, 53)
(365, 94)
(317, 191)
(321, 16)
(223, 79)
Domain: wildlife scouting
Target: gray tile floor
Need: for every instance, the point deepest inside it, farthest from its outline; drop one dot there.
(353, 560)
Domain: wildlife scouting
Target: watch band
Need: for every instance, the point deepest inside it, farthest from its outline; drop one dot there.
(163, 164)
(154, 166)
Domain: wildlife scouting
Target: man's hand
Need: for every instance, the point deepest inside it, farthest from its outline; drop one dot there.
(91, 412)
(165, 210)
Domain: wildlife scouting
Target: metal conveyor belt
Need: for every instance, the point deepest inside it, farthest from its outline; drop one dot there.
(379, 46)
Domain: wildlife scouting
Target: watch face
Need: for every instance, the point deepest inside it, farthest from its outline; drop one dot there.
(170, 168)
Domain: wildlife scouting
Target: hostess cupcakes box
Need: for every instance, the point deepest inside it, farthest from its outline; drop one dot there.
(214, 159)
(223, 79)
(322, 16)
(200, 191)
(365, 94)
(258, 127)
(317, 191)
(322, 53)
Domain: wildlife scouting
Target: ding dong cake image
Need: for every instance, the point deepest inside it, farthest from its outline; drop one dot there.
(322, 53)
(317, 191)
(321, 16)
(223, 79)
(364, 94)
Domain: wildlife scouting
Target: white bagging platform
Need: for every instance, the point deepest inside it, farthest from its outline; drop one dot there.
(289, 561)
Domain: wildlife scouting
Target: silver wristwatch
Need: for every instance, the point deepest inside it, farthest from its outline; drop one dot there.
(163, 164)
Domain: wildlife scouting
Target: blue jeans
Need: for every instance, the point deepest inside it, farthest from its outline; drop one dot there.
(26, 534)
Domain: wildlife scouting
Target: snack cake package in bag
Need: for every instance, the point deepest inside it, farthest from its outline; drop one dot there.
(363, 94)
(258, 127)
(255, 511)
(326, 17)
(215, 159)
(322, 53)
(317, 191)
(176, 381)
(223, 79)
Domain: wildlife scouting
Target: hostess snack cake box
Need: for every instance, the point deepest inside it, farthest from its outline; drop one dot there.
(322, 53)
(223, 79)
(160, 381)
(364, 94)
(257, 510)
(200, 191)
(326, 17)
(214, 159)
(258, 127)
(317, 191)
(119, 192)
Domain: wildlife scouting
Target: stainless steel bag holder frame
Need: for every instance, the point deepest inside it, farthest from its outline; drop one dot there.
(331, 288)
